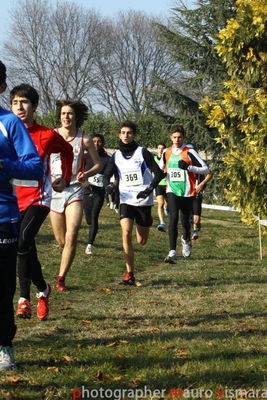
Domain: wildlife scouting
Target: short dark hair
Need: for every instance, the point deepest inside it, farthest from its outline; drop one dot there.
(129, 124)
(79, 108)
(161, 144)
(25, 90)
(2, 72)
(177, 128)
(101, 137)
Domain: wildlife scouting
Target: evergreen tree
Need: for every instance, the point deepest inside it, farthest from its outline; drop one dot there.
(239, 112)
(191, 38)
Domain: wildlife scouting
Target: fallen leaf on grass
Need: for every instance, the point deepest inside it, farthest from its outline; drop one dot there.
(114, 344)
(181, 352)
(154, 329)
(104, 290)
(119, 355)
(15, 379)
(137, 381)
(137, 348)
(117, 378)
(252, 329)
(56, 369)
(8, 396)
(133, 322)
(84, 322)
(175, 302)
(101, 377)
(130, 293)
(176, 324)
(66, 358)
(117, 343)
(93, 346)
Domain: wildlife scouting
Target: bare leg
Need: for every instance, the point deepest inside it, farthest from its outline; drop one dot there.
(142, 233)
(127, 229)
(160, 200)
(66, 228)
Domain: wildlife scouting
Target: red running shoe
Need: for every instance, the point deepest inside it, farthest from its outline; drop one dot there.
(60, 284)
(24, 309)
(42, 305)
(128, 280)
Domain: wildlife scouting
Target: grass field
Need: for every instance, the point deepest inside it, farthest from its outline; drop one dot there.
(192, 330)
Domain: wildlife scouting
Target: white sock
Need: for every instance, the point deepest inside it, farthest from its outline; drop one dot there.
(44, 293)
(21, 300)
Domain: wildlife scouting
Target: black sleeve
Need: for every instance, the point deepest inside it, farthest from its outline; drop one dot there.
(194, 159)
(110, 170)
(154, 168)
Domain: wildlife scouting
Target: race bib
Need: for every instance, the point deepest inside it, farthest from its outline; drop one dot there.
(96, 180)
(56, 166)
(176, 175)
(132, 178)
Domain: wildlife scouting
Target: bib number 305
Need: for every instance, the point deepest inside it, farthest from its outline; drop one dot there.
(176, 175)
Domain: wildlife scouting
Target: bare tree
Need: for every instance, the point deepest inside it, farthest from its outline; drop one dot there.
(129, 62)
(55, 49)
(67, 51)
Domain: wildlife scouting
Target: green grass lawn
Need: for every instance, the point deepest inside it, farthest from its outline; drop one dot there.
(196, 329)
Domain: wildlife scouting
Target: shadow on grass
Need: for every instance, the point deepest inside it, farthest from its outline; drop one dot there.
(85, 360)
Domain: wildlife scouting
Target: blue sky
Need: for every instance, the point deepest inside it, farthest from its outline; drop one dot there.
(105, 7)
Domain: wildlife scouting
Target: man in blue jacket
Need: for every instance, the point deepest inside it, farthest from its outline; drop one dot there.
(18, 159)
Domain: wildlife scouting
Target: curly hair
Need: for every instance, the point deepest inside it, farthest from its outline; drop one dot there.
(79, 108)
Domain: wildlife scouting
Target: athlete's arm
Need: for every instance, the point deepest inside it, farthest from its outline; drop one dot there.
(25, 162)
(162, 162)
(199, 166)
(154, 168)
(200, 187)
(111, 170)
(88, 145)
